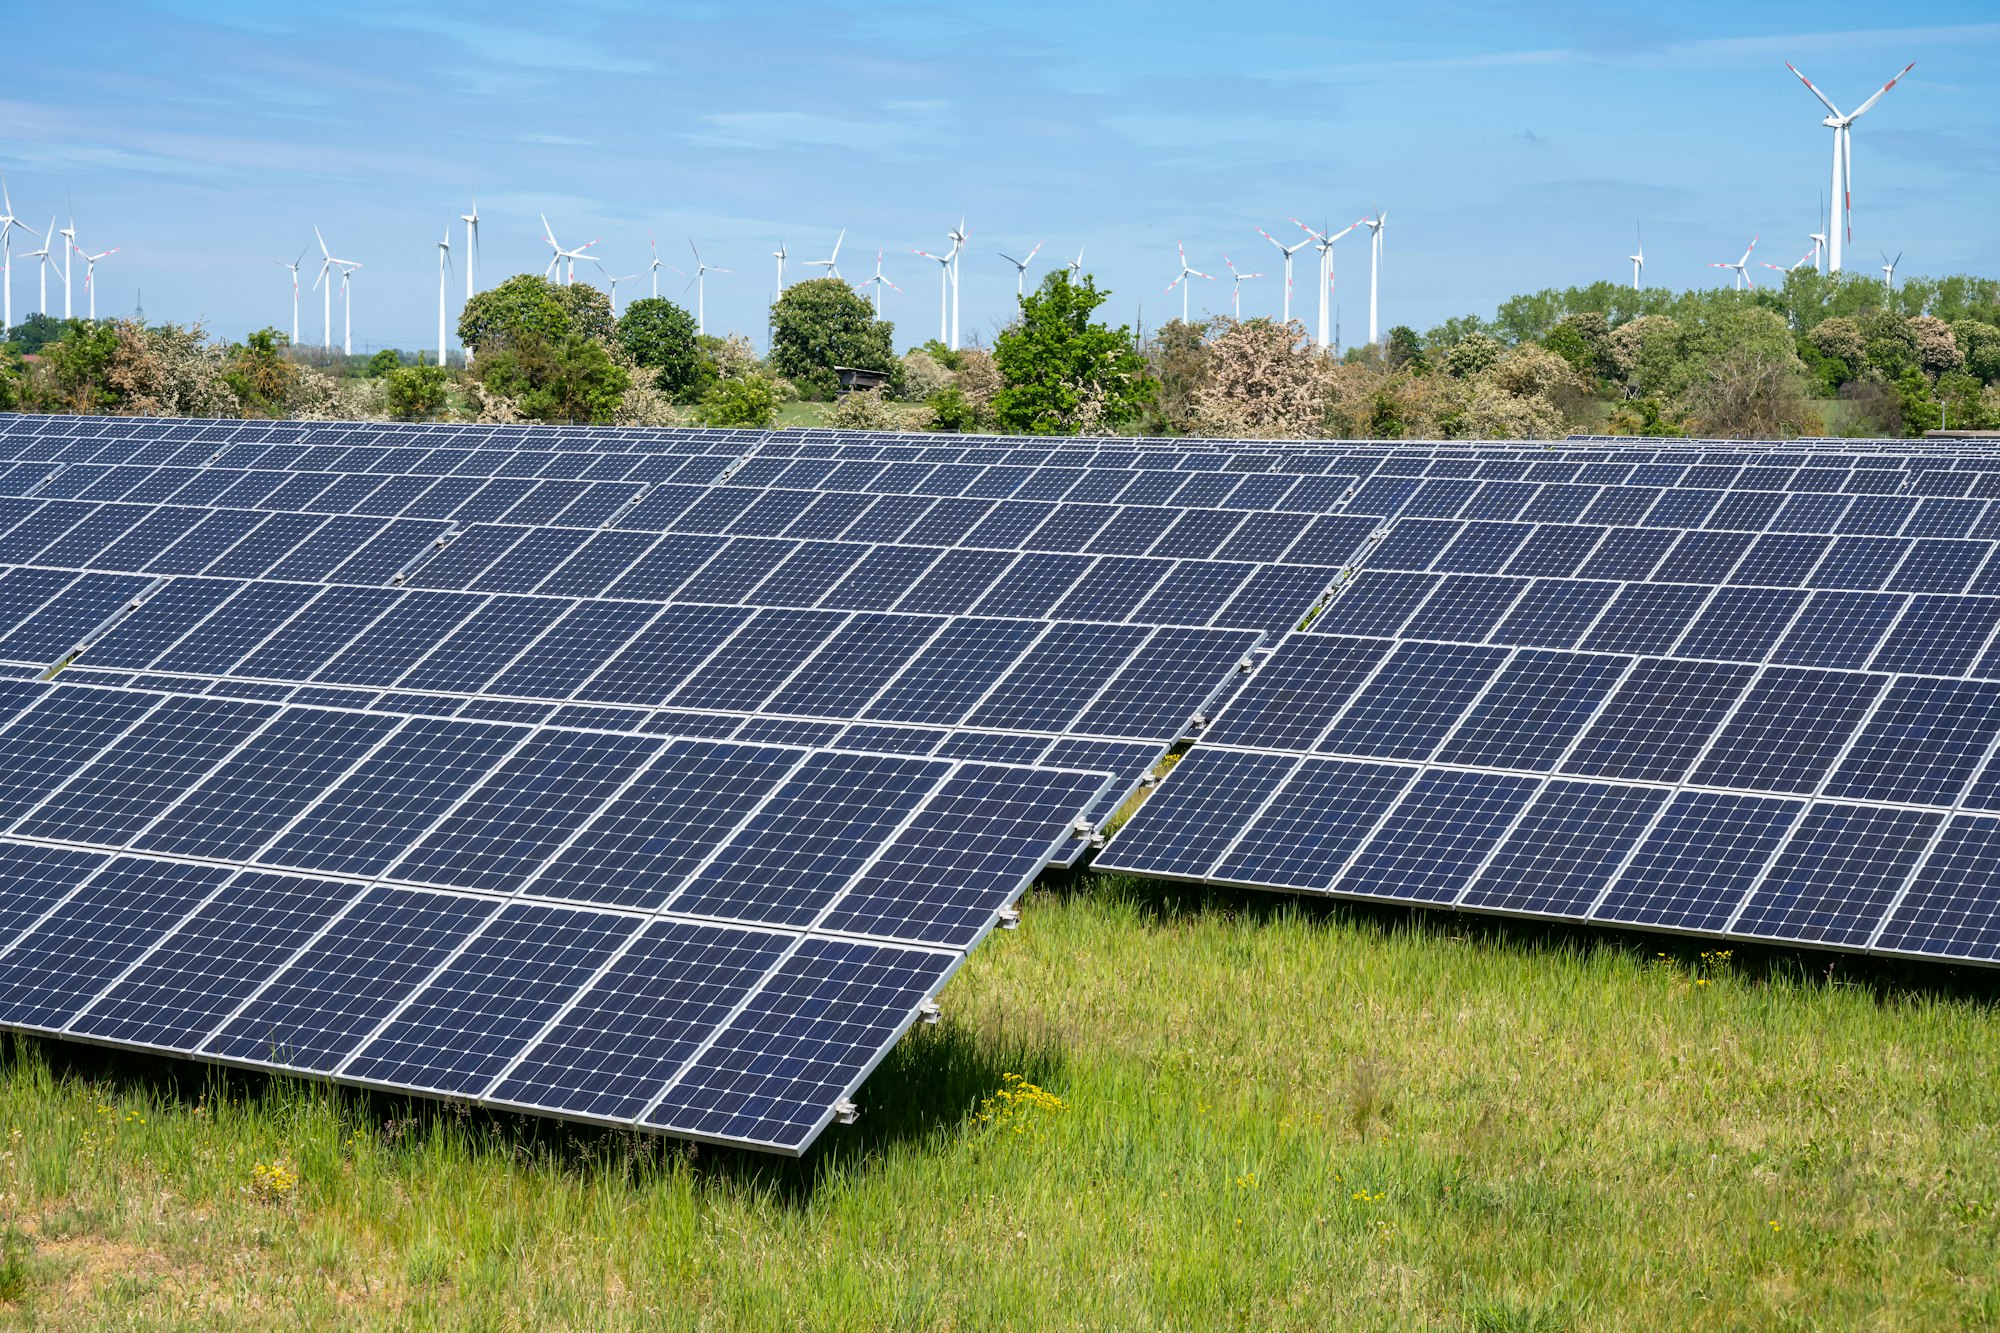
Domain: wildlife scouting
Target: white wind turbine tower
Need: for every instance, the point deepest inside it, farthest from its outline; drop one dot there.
(1236, 289)
(90, 272)
(347, 270)
(1375, 226)
(1842, 125)
(1889, 268)
(944, 293)
(701, 271)
(876, 282)
(832, 262)
(43, 254)
(1323, 242)
(1287, 253)
(9, 224)
(959, 236)
(1741, 267)
(471, 221)
(293, 268)
(779, 255)
(69, 244)
(444, 266)
(1181, 278)
(1638, 257)
(1021, 269)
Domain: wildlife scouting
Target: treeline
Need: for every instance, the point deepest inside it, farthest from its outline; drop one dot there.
(1835, 354)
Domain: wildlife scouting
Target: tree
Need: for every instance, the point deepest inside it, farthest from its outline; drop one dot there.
(739, 402)
(526, 303)
(574, 379)
(1890, 344)
(78, 363)
(1979, 342)
(1937, 350)
(382, 363)
(1178, 358)
(261, 374)
(35, 332)
(416, 393)
(1470, 355)
(589, 310)
(1748, 392)
(823, 323)
(659, 336)
(1403, 349)
(1265, 382)
(951, 411)
(1063, 373)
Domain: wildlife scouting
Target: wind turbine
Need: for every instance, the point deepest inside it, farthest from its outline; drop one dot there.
(1287, 252)
(1638, 257)
(568, 276)
(1809, 257)
(1741, 267)
(659, 263)
(701, 271)
(832, 262)
(876, 282)
(1324, 243)
(347, 270)
(1889, 269)
(90, 272)
(615, 279)
(1182, 277)
(779, 255)
(1076, 265)
(9, 224)
(1842, 125)
(1375, 226)
(1236, 289)
(69, 244)
(1021, 269)
(294, 269)
(444, 265)
(944, 293)
(959, 236)
(43, 255)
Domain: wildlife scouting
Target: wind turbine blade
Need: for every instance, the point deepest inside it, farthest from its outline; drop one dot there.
(1883, 89)
(1032, 253)
(316, 236)
(1813, 90)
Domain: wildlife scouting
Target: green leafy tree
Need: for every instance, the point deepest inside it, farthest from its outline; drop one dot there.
(950, 410)
(589, 311)
(1979, 343)
(824, 323)
(1890, 343)
(526, 303)
(417, 393)
(1062, 372)
(79, 363)
(1404, 348)
(573, 380)
(36, 332)
(660, 336)
(382, 363)
(748, 401)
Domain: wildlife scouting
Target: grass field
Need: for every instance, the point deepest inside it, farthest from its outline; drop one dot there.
(1148, 1108)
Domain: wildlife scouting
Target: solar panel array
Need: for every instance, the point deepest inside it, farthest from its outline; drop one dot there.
(662, 777)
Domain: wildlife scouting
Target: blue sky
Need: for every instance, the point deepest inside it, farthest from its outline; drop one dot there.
(1513, 146)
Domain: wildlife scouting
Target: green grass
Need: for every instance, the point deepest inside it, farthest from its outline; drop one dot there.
(1273, 1115)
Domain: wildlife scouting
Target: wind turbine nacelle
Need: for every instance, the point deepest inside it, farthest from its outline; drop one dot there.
(1831, 122)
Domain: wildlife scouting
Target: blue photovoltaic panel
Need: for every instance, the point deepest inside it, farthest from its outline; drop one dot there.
(1197, 813)
(1565, 848)
(1700, 858)
(330, 997)
(978, 841)
(1950, 909)
(1534, 710)
(1410, 704)
(819, 1024)
(1838, 874)
(1788, 730)
(808, 838)
(613, 1050)
(690, 798)
(1432, 842)
(498, 835)
(33, 878)
(1305, 836)
(211, 962)
(80, 947)
(478, 1013)
(1288, 703)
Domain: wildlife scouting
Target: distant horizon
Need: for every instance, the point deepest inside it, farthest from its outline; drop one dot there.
(1512, 151)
